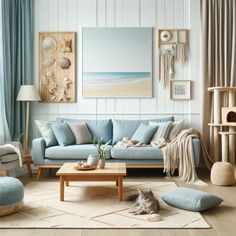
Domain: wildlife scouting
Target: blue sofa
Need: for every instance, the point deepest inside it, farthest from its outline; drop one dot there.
(115, 130)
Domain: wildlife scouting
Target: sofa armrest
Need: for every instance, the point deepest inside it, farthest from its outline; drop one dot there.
(38, 151)
(196, 151)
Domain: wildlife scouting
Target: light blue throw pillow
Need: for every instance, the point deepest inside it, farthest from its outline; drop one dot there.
(63, 134)
(45, 128)
(191, 199)
(144, 133)
(163, 129)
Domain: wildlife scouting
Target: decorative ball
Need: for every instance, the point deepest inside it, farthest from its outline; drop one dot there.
(222, 173)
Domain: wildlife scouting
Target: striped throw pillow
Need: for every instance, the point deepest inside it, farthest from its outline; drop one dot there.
(175, 129)
(162, 130)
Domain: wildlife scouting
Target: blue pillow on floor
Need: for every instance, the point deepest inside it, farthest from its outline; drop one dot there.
(63, 134)
(191, 199)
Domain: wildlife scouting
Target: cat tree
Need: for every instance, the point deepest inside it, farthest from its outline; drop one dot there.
(224, 124)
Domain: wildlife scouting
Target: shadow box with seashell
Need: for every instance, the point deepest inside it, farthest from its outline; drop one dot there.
(57, 66)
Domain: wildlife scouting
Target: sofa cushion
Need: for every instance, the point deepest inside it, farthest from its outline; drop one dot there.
(121, 152)
(101, 129)
(9, 158)
(145, 153)
(81, 133)
(73, 152)
(47, 132)
(98, 128)
(144, 133)
(162, 130)
(126, 128)
(175, 129)
(63, 134)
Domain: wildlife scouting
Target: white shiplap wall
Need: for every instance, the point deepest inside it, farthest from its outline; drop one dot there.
(71, 15)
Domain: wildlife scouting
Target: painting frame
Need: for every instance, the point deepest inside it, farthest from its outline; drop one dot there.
(148, 93)
(180, 89)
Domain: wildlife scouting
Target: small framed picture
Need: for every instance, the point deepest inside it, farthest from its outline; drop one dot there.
(180, 89)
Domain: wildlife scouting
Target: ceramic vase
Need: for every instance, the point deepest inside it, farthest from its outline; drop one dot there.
(92, 160)
(102, 163)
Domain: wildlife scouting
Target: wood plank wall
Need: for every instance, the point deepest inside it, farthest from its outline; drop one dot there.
(71, 15)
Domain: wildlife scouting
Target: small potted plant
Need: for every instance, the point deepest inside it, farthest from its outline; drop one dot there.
(102, 151)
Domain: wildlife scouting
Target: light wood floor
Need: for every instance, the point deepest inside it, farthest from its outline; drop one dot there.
(222, 219)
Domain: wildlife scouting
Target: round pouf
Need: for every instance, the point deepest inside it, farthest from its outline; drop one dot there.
(11, 195)
(222, 173)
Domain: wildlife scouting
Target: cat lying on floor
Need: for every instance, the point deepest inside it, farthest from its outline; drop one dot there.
(145, 203)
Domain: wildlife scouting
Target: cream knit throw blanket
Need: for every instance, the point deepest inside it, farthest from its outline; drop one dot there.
(178, 154)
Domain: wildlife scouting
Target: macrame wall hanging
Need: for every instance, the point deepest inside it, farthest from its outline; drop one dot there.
(166, 65)
(173, 47)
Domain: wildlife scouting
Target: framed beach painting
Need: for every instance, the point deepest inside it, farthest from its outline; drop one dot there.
(116, 62)
(180, 89)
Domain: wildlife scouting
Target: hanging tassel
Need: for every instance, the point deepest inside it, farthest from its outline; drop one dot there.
(166, 66)
(181, 51)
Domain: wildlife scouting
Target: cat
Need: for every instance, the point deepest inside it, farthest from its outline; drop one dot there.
(145, 203)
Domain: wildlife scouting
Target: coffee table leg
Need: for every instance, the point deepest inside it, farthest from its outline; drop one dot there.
(61, 188)
(120, 188)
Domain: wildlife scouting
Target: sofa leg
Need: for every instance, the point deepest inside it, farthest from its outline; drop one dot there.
(40, 170)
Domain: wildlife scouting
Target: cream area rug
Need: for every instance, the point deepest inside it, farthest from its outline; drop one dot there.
(94, 205)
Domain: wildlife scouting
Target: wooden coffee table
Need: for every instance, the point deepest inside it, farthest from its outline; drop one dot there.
(111, 172)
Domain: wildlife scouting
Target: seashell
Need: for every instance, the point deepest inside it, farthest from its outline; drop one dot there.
(165, 36)
(63, 96)
(64, 62)
(48, 62)
(65, 45)
(53, 97)
(50, 74)
(67, 83)
(54, 85)
(51, 91)
(45, 80)
(49, 44)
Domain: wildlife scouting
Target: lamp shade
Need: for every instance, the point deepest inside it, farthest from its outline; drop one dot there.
(28, 93)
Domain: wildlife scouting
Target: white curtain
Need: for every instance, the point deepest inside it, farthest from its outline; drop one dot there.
(4, 130)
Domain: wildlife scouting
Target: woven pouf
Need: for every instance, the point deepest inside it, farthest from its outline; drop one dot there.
(222, 173)
(11, 195)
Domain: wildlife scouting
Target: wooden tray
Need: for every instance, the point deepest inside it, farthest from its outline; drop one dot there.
(78, 167)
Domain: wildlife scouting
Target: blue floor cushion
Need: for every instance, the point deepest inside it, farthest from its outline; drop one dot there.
(11, 195)
(190, 199)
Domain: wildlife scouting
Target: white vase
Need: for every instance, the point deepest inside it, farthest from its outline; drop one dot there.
(92, 160)
(102, 163)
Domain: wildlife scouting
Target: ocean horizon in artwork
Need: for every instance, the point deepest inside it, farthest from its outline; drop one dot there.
(101, 78)
(117, 62)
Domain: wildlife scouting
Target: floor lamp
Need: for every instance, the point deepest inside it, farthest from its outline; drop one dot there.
(27, 93)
